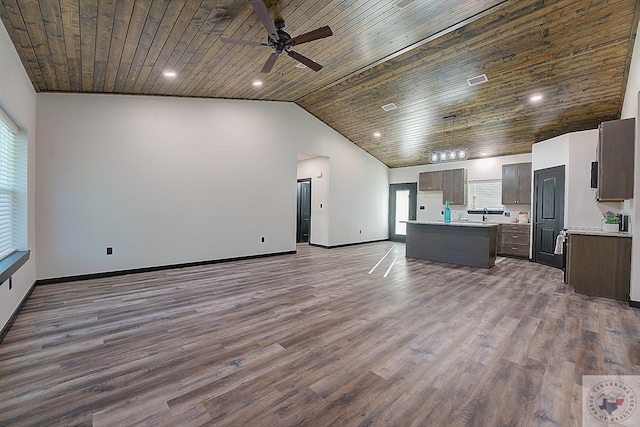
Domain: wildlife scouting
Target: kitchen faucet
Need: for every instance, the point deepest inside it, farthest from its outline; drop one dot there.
(484, 214)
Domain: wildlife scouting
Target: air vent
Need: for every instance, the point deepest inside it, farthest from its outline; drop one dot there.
(389, 107)
(482, 78)
(402, 3)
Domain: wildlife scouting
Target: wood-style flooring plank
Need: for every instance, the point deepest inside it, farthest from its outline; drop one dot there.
(314, 339)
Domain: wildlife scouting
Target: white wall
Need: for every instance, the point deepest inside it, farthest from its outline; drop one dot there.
(18, 99)
(477, 170)
(359, 198)
(317, 169)
(550, 153)
(581, 208)
(175, 180)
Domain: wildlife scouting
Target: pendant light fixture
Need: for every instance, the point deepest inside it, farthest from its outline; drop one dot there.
(452, 153)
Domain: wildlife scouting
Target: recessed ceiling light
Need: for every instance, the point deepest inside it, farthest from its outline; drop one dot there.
(170, 74)
(377, 134)
(484, 154)
(536, 98)
(300, 65)
(257, 83)
(390, 106)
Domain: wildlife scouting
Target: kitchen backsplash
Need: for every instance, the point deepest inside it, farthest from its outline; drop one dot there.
(498, 218)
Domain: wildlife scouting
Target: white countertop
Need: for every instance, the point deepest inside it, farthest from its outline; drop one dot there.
(598, 232)
(456, 223)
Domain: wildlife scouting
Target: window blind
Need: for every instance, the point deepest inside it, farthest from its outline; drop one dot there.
(485, 194)
(9, 187)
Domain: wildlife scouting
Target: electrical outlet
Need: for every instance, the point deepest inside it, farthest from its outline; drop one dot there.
(263, 240)
(360, 231)
(109, 250)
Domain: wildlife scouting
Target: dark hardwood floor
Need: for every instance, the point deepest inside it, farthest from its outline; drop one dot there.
(312, 339)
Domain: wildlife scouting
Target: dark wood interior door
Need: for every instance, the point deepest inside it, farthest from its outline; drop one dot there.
(548, 214)
(303, 227)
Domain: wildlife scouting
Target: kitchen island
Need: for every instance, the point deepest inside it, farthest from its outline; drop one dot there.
(463, 243)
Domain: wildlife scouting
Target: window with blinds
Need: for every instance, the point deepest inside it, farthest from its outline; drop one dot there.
(12, 188)
(485, 194)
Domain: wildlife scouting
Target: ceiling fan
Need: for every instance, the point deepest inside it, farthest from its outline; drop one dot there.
(280, 41)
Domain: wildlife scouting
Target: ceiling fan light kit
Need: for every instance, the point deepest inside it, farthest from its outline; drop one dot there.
(451, 154)
(280, 41)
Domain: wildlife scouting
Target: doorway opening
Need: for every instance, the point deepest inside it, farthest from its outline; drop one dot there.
(402, 207)
(303, 221)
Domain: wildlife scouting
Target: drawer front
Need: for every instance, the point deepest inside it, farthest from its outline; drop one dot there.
(509, 237)
(514, 240)
(515, 249)
(518, 229)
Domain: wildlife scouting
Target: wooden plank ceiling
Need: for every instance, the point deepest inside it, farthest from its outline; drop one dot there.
(417, 54)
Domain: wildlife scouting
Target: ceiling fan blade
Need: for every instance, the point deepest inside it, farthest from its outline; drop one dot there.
(304, 60)
(240, 41)
(270, 62)
(263, 14)
(320, 33)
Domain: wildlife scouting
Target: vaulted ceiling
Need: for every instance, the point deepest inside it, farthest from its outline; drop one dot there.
(416, 54)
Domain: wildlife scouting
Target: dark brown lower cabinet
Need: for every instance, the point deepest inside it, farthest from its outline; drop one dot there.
(513, 240)
(599, 265)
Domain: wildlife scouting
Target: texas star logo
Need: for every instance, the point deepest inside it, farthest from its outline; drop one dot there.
(611, 401)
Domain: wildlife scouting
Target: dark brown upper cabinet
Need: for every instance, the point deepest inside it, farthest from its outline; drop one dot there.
(451, 182)
(454, 186)
(516, 184)
(615, 160)
(430, 181)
